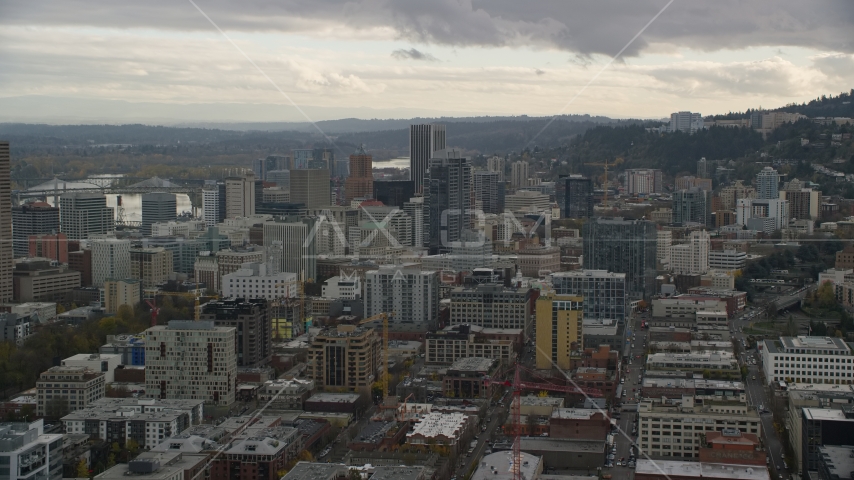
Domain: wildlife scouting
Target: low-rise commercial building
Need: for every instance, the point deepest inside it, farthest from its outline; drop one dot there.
(718, 364)
(687, 470)
(105, 363)
(462, 341)
(579, 424)
(37, 280)
(159, 466)
(61, 390)
(465, 378)
(441, 429)
(808, 360)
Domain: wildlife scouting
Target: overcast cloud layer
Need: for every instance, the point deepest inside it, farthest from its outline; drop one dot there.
(495, 56)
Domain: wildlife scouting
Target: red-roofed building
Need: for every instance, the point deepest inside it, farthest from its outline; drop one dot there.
(732, 447)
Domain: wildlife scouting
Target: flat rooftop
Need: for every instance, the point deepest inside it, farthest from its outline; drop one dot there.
(543, 444)
(397, 473)
(676, 469)
(498, 466)
(534, 401)
(472, 364)
(839, 459)
(574, 413)
(823, 343)
(316, 471)
(826, 414)
(327, 397)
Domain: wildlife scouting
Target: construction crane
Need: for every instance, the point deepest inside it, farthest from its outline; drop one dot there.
(516, 406)
(606, 165)
(384, 316)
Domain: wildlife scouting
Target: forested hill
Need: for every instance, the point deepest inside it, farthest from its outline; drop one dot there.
(824, 106)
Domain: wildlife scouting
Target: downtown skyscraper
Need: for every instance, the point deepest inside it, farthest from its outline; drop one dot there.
(5, 223)
(448, 195)
(623, 246)
(424, 141)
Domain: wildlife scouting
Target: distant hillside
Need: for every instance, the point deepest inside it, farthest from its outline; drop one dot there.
(824, 106)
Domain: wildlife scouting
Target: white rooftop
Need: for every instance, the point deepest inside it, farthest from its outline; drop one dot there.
(676, 469)
(434, 424)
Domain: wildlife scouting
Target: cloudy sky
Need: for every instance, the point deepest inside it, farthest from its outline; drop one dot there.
(249, 60)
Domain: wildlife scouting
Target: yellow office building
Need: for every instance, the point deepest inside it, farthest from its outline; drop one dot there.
(559, 319)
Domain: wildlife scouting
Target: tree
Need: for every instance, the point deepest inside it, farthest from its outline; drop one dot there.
(111, 460)
(354, 475)
(82, 469)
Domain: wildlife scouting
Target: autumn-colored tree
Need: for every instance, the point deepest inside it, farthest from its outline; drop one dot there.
(82, 469)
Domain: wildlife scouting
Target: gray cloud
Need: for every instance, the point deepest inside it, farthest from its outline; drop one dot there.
(580, 26)
(539, 72)
(413, 54)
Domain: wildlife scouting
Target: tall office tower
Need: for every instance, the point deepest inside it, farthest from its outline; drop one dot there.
(282, 178)
(412, 293)
(394, 193)
(692, 206)
(623, 246)
(489, 192)
(692, 257)
(448, 195)
(703, 168)
(360, 183)
(84, 214)
(643, 181)
(310, 187)
(298, 237)
(687, 122)
(6, 250)
(604, 292)
(578, 197)
(496, 164)
(323, 158)
(804, 203)
(559, 328)
(424, 142)
(252, 320)
(345, 357)
(416, 211)
(768, 184)
(240, 196)
(110, 259)
(342, 168)
(519, 174)
(32, 219)
(213, 203)
(191, 360)
(157, 207)
(259, 168)
(302, 157)
(279, 162)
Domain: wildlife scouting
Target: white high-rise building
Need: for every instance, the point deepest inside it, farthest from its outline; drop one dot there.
(424, 141)
(211, 199)
(240, 196)
(110, 259)
(688, 122)
(663, 242)
(519, 174)
(415, 209)
(192, 361)
(496, 164)
(411, 293)
(643, 181)
(748, 208)
(692, 257)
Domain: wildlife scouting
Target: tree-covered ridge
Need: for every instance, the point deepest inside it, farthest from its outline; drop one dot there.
(823, 106)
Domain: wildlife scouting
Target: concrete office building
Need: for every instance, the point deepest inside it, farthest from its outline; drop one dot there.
(448, 193)
(578, 197)
(464, 341)
(240, 196)
(559, 329)
(61, 390)
(31, 219)
(110, 259)
(643, 181)
(804, 203)
(36, 280)
(82, 215)
(118, 293)
(252, 321)
(489, 192)
(310, 187)
(519, 174)
(151, 265)
(493, 306)
(623, 246)
(106, 363)
(28, 453)
(424, 142)
(191, 360)
(213, 204)
(527, 201)
(663, 427)
(412, 293)
(345, 357)
(253, 280)
(157, 207)
(360, 183)
(298, 237)
(604, 293)
(808, 360)
(727, 259)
